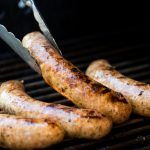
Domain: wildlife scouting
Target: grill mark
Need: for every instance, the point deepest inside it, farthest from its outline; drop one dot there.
(92, 117)
(106, 90)
(141, 93)
(110, 68)
(58, 68)
(95, 87)
(72, 85)
(49, 107)
(91, 114)
(74, 70)
(121, 77)
(65, 109)
(118, 97)
(52, 105)
(79, 75)
(30, 121)
(140, 84)
(53, 125)
(46, 46)
(87, 80)
(63, 89)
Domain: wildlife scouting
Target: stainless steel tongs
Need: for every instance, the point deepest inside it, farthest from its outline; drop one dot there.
(41, 23)
(16, 44)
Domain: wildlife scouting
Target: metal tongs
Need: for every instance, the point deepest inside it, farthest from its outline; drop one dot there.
(16, 44)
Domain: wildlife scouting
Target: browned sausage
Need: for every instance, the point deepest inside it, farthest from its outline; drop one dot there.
(136, 92)
(80, 123)
(24, 133)
(68, 80)
(2, 112)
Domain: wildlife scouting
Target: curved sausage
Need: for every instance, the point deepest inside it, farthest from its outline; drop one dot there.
(80, 123)
(136, 92)
(2, 112)
(68, 80)
(24, 133)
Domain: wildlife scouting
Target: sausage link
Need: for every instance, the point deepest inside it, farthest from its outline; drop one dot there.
(136, 92)
(68, 80)
(80, 123)
(2, 112)
(26, 133)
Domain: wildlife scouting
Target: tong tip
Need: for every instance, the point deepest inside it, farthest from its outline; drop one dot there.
(24, 3)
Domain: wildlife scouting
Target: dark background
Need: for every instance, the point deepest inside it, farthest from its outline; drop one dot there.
(69, 19)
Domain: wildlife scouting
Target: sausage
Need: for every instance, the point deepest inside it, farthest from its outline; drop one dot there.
(2, 112)
(136, 92)
(79, 123)
(68, 80)
(26, 133)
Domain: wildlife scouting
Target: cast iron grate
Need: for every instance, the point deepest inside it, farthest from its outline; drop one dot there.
(132, 59)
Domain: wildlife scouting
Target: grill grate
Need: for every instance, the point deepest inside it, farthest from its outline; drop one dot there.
(130, 59)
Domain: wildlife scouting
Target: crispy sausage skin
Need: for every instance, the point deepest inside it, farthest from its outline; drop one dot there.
(26, 133)
(68, 80)
(79, 123)
(136, 92)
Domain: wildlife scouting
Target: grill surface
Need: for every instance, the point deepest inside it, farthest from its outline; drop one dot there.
(131, 59)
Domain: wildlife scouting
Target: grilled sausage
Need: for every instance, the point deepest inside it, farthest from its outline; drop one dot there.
(80, 123)
(68, 80)
(26, 133)
(2, 112)
(136, 92)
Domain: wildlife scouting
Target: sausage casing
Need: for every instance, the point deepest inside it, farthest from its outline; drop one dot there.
(68, 80)
(136, 92)
(79, 123)
(26, 133)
